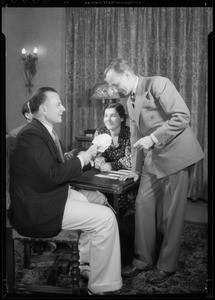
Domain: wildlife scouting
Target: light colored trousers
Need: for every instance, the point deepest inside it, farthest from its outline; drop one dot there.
(99, 242)
(160, 203)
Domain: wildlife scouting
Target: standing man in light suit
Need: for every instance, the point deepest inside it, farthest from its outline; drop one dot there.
(43, 203)
(164, 151)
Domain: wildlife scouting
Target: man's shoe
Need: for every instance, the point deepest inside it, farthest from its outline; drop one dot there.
(84, 270)
(158, 276)
(131, 271)
(112, 293)
(117, 292)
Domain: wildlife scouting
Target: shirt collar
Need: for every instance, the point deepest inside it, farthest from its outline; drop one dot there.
(135, 84)
(48, 127)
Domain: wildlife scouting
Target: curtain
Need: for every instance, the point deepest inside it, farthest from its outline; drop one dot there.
(166, 41)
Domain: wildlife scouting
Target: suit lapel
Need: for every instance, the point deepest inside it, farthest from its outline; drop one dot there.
(140, 98)
(46, 134)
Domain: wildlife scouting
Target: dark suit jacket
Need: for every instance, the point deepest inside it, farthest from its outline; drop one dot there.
(39, 182)
(159, 109)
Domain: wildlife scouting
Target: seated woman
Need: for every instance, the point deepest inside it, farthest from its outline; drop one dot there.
(118, 154)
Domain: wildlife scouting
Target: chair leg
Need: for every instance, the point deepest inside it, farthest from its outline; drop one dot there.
(74, 265)
(39, 248)
(27, 254)
(10, 268)
(53, 275)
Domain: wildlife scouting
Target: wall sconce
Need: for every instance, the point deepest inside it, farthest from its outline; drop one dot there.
(29, 63)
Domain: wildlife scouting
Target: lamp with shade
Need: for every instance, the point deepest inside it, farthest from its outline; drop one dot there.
(106, 93)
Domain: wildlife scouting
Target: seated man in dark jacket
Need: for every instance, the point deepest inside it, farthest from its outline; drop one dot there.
(42, 202)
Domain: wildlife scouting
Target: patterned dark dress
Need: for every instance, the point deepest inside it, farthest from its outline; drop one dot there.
(119, 158)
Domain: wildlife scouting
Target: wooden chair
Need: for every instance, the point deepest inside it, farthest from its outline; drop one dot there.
(71, 238)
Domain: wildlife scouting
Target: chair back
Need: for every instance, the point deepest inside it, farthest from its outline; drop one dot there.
(10, 142)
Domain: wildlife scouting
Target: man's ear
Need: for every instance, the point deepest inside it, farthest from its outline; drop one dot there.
(127, 74)
(27, 116)
(42, 109)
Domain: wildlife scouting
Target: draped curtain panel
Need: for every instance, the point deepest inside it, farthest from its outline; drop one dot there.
(166, 41)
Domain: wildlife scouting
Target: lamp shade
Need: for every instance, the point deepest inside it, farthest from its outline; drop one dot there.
(105, 91)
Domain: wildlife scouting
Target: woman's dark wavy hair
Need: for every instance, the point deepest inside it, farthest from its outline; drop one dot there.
(120, 109)
(39, 98)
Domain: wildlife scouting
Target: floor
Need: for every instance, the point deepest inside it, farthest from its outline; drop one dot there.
(197, 211)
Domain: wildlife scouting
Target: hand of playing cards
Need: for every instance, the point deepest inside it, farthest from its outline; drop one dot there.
(100, 144)
(102, 141)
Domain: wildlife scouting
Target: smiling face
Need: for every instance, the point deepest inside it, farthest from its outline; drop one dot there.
(52, 108)
(122, 81)
(112, 119)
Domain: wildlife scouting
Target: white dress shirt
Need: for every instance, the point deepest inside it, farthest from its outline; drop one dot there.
(50, 128)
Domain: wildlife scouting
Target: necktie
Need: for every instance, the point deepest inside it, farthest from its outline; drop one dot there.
(57, 143)
(132, 97)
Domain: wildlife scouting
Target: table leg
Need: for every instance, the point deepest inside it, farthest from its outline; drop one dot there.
(115, 204)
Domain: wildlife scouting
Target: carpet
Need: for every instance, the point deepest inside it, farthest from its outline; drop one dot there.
(190, 278)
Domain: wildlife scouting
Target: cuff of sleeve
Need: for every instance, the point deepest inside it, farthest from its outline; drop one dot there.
(137, 172)
(155, 140)
(81, 160)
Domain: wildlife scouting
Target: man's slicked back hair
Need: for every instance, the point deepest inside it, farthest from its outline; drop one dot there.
(119, 66)
(39, 98)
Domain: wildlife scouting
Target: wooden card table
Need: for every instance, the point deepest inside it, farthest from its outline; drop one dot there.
(115, 187)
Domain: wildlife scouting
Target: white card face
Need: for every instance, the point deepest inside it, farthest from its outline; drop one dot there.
(107, 176)
(114, 174)
(120, 172)
(124, 171)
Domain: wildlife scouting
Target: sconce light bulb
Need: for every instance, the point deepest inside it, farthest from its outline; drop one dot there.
(23, 51)
(35, 50)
